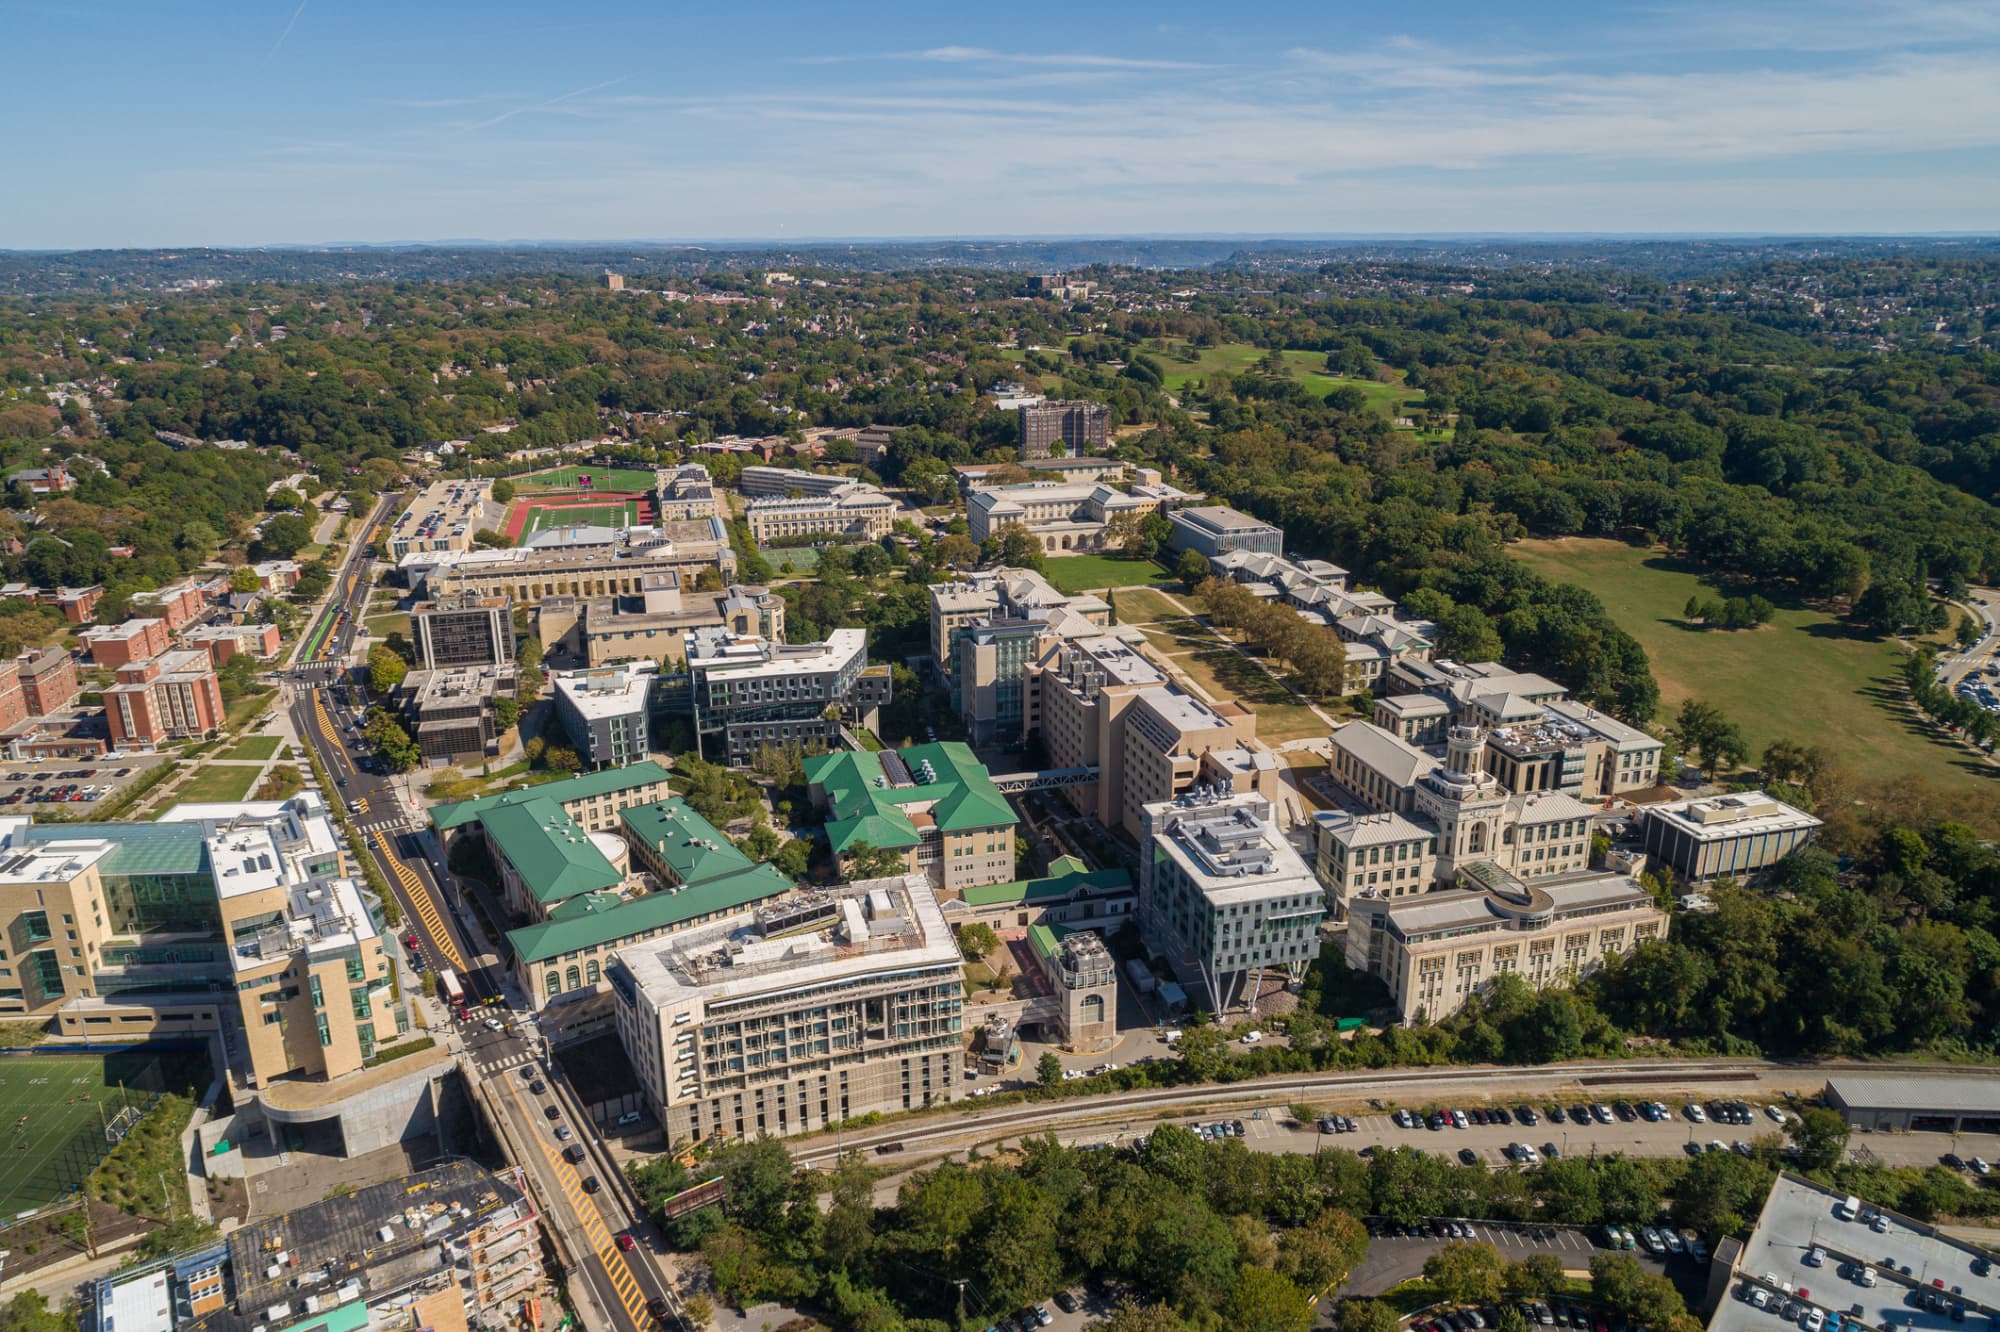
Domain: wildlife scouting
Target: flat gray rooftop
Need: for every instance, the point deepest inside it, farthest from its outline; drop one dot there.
(1800, 1215)
(1944, 1093)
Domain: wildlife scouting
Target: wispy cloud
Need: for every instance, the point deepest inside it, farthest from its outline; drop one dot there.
(548, 104)
(290, 23)
(1080, 59)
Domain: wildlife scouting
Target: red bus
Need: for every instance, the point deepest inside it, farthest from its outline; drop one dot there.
(453, 992)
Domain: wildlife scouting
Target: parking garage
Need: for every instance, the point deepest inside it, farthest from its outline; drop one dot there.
(1902, 1103)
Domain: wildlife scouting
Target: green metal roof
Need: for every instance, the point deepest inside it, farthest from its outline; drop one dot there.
(139, 848)
(689, 844)
(554, 857)
(446, 817)
(349, 1317)
(593, 926)
(864, 807)
(713, 876)
(1065, 877)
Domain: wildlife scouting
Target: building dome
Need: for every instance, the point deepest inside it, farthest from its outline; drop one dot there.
(613, 848)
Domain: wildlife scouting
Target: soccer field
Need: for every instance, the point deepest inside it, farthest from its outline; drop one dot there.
(601, 478)
(54, 1108)
(623, 513)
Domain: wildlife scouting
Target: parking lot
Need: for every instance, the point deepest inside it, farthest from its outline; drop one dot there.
(65, 782)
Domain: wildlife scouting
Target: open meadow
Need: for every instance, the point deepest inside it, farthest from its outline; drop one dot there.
(1802, 677)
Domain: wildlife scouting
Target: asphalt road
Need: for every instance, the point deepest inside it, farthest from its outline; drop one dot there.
(1123, 1116)
(621, 1283)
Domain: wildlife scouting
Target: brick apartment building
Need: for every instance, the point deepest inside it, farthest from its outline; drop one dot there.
(180, 604)
(115, 645)
(172, 696)
(79, 604)
(1064, 426)
(223, 641)
(13, 704)
(48, 680)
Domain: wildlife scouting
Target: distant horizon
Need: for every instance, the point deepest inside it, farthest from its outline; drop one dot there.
(226, 126)
(1024, 238)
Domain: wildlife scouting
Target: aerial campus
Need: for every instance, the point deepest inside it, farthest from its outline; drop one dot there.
(1158, 785)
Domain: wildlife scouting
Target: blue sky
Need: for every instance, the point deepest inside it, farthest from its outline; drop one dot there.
(180, 122)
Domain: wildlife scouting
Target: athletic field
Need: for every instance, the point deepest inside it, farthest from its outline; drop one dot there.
(571, 478)
(54, 1109)
(542, 512)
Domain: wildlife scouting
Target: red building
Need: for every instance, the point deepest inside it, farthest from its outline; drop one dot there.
(172, 696)
(116, 645)
(13, 704)
(79, 604)
(223, 641)
(48, 680)
(178, 604)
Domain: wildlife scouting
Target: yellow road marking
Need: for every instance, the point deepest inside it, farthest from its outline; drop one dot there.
(616, 1270)
(420, 899)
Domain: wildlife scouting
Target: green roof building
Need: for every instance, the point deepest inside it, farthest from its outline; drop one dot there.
(933, 802)
(593, 799)
(580, 886)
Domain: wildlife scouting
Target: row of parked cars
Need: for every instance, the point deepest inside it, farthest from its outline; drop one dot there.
(1653, 1112)
(1032, 1317)
(55, 795)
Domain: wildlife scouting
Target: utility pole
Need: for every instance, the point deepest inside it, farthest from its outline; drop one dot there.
(960, 1283)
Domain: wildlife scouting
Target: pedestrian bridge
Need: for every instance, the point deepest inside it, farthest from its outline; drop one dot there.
(1046, 779)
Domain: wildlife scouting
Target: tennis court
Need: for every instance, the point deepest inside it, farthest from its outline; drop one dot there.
(599, 478)
(54, 1110)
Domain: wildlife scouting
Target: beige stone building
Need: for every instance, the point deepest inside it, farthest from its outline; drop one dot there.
(232, 917)
(1100, 703)
(654, 623)
(854, 511)
(1438, 950)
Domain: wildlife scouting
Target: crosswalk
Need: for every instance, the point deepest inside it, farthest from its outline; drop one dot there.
(400, 823)
(507, 1062)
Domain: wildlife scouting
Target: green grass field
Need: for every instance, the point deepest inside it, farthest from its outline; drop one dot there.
(602, 478)
(1308, 367)
(1084, 573)
(1802, 677)
(254, 747)
(53, 1109)
(213, 783)
(1215, 667)
(625, 513)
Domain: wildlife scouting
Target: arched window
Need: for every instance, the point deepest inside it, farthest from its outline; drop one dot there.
(574, 978)
(552, 983)
(1478, 842)
(1093, 1008)
(590, 972)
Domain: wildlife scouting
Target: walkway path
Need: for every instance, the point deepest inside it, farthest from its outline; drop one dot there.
(1220, 637)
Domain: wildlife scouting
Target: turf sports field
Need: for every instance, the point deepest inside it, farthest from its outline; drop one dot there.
(622, 513)
(53, 1109)
(602, 478)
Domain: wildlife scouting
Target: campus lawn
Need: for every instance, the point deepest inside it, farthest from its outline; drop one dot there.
(217, 782)
(392, 622)
(1308, 367)
(602, 478)
(1085, 573)
(252, 747)
(1802, 677)
(1215, 667)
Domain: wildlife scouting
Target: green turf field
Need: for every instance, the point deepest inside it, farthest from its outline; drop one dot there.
(218, 782)
(602, 478)
(622, 514)
(53, 1109)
